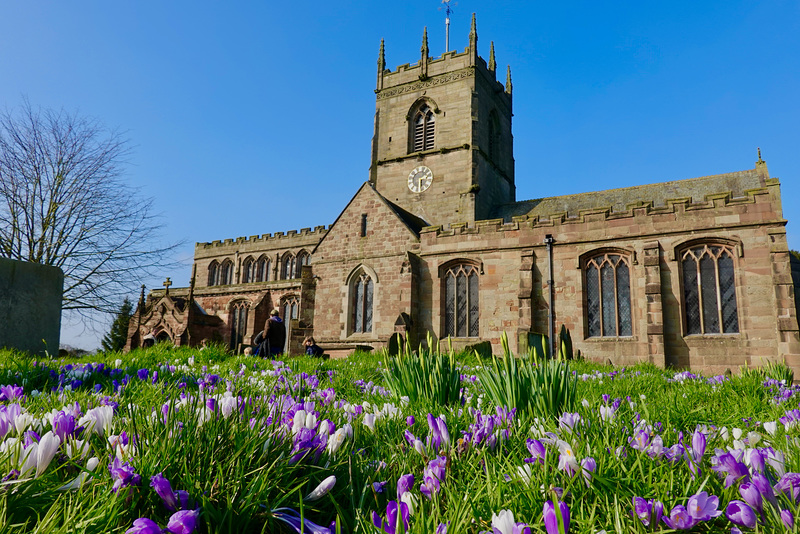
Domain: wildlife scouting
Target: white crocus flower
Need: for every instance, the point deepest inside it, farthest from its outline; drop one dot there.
(48, 447)
(737, 433)
(411, 501)
(771, 427)
(503, 522)
(369, 421)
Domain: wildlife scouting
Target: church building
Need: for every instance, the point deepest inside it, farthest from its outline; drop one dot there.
(691, 273)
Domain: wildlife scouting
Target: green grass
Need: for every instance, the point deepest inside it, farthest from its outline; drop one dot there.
(238, 468)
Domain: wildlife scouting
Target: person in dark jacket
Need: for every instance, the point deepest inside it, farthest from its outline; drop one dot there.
(274, 336)
(312, 349)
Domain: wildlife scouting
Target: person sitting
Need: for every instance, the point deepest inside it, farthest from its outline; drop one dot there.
(312, 349)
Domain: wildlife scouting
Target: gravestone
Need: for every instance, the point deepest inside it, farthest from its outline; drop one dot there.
(30, 306)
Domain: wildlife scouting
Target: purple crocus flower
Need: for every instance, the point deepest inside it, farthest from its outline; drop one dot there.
(439, 436)
(144, 526)
(679, 519)
(183, 522)
(537, 450)
(765, 488)
(404, 485)
(164, 490)
(588, 467)
(752, 496)
(442, 528)
(433, 476)
(410, 420)
(648, 512)
(142, 374)
(63, 425)
(698, 446)
(9, 392)
(789, 485)
(378, 487)
(551, 520)
(390, 524)
(732, 468)
(123, 475)
(703, 507)
(740, 513)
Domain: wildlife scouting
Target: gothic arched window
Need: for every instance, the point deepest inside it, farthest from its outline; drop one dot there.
(226, 273)
(423, 126)
(303, 258)
(461, 301)
(290, 307)
(362, 290)
(608, 296)
(289, 266)
(213, 273)
(709, 290)
(263, 267)
(248, 270)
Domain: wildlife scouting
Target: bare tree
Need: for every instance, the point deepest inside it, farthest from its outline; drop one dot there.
(63, 202)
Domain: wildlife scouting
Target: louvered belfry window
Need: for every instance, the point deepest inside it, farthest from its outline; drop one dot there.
(608, 296)
(461, 301)
(362, 292)
(709, 290)
(424, 126)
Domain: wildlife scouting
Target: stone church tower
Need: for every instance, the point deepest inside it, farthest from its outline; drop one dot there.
(692, 273)
(442, 148)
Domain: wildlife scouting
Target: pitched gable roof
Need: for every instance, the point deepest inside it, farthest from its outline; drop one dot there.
(409, 221)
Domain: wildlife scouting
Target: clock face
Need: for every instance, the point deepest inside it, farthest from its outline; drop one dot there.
(420, 179)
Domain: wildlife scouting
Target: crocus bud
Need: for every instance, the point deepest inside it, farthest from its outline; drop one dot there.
(183, 522)
(320, 491)
(48, 447)
(752, 496)
(551, 519)
(741, 514)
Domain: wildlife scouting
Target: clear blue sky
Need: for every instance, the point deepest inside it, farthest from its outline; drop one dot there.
(256, 117)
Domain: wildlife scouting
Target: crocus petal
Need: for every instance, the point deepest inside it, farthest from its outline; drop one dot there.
(48, 446)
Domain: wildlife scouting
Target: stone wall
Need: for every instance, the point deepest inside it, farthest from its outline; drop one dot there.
(30, 306)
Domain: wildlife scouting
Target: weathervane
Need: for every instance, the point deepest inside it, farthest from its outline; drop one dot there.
(447, 10)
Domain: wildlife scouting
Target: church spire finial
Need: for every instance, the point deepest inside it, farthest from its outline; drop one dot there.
(509, 87)
(141, 298)
(423, 62)
(759, 156)
(473, 42)
(381, 66)
(492, 62)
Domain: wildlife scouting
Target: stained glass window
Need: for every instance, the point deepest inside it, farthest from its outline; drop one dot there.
(608, 296)
(709, 290)
(461, 301)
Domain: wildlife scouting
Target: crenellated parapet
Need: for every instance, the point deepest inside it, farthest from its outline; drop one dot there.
(730, 209)
(259, 240)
